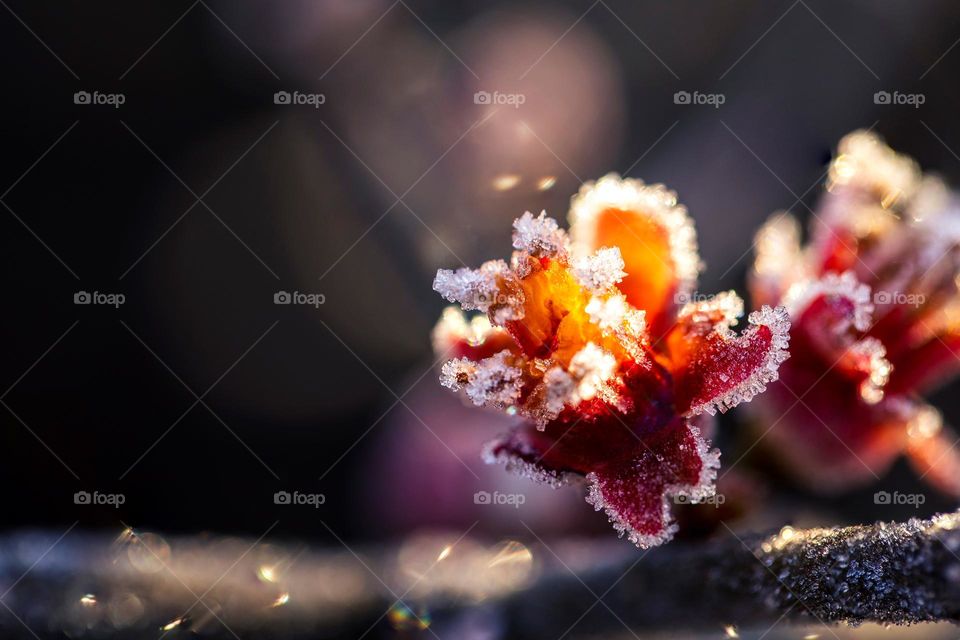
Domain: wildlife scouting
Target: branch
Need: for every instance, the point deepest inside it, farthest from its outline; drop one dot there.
(885, 573)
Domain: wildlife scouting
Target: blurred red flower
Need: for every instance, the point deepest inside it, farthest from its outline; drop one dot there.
(876, 321)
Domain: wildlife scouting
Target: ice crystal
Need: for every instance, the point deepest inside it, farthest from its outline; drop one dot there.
(474, 289)
(541, 237)
(601, 270)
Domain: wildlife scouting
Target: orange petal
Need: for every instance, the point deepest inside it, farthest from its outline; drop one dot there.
(655, 235)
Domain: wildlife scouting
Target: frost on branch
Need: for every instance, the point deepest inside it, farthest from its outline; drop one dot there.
(567, 347)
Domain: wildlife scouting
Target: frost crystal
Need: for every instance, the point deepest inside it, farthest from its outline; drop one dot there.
(599, 271)
(845, 285)
(526, 469)
(472, 288)
(720, 312)
(591, 367)
(869, 356)
(491, 381)
(560, 391)
(541, 237)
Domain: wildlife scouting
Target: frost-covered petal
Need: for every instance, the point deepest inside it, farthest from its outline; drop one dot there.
(869, 186)
(656, 238)
(720, 370)
(829, 314)
(637, 492)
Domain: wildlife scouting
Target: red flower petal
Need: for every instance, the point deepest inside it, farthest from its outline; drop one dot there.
(636, 492)
(581, 438)
(719, 370)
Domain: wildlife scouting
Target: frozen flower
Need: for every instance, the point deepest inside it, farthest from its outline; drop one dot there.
(586, 339)
(875, 309)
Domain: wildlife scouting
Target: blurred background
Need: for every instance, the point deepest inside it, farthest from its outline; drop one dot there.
(183, 163)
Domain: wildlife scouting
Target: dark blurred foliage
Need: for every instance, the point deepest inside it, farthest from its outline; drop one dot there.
(362, 199)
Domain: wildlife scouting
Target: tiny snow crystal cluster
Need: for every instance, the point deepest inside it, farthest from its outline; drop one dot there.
(584, 336)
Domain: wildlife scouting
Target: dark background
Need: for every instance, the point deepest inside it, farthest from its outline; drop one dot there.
(104, 199)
